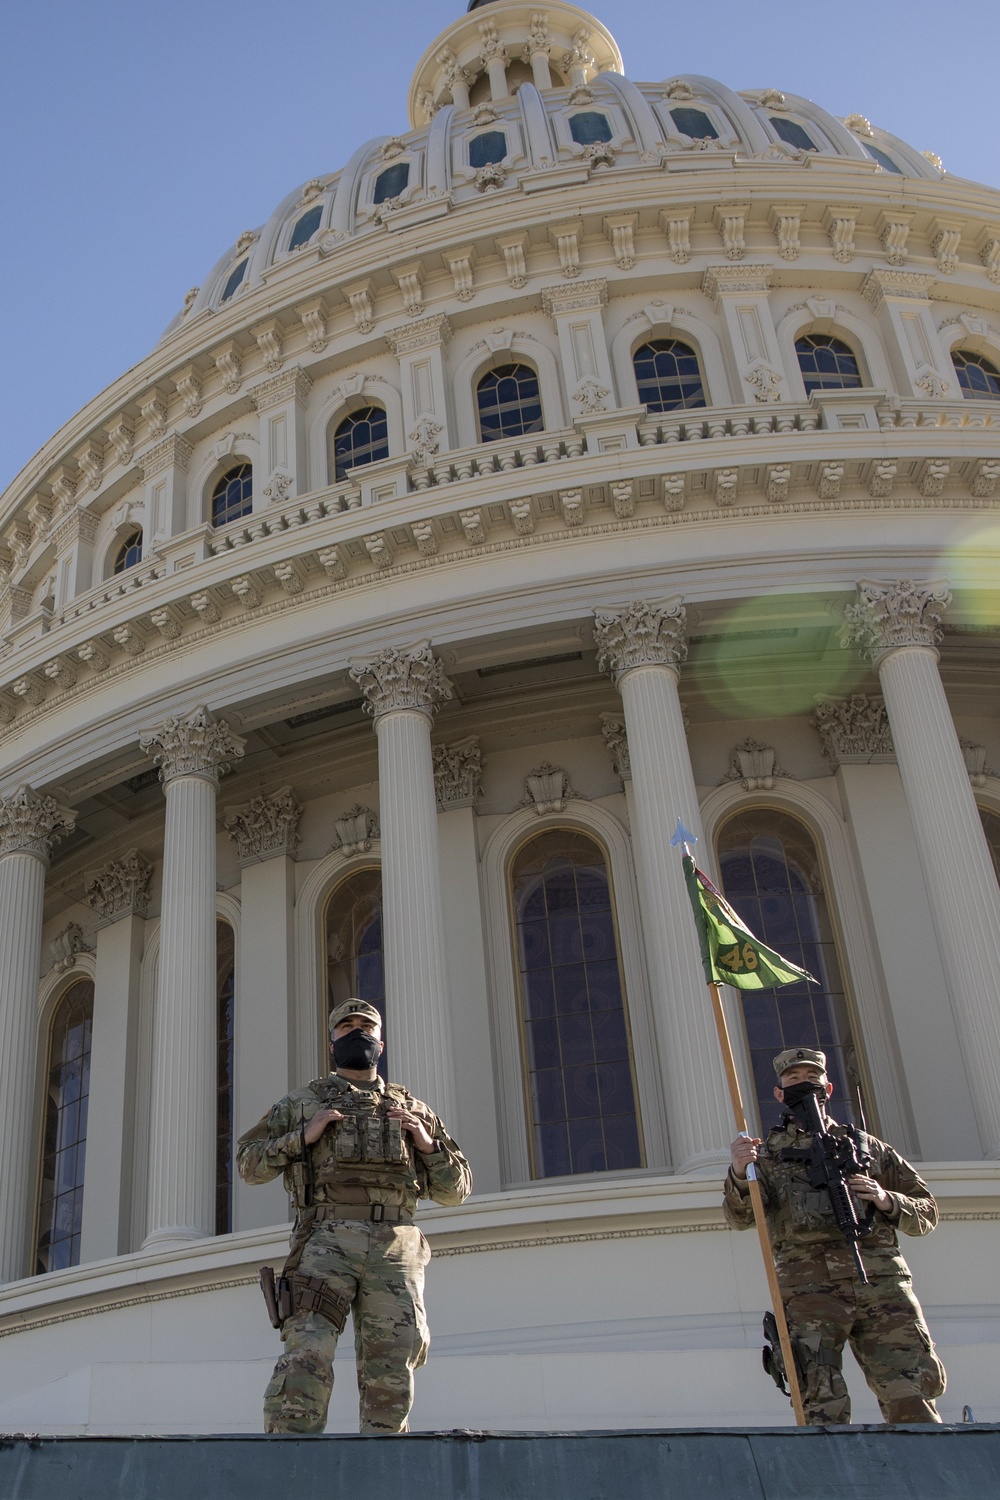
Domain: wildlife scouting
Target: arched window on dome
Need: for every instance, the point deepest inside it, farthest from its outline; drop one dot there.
(589, 128)
(233, 495)
(306, 227)
(64, 1151)
(225, 1023)
(694, 123)
(991, 827)
(978, 377)
(771, 874)
(793, 134)
(509, 402)
(129, 551)
(233, 280)
(885, 161)
(390, 183)
(487, 149)
(361, 438)
(668, 376)
(827, 364)
(580, 1084)
(353, 928)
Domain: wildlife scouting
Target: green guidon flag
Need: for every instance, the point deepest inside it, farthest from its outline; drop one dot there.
(730, 952)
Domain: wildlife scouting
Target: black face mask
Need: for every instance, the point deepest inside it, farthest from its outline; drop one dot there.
(795, 1095)
(357, 1050)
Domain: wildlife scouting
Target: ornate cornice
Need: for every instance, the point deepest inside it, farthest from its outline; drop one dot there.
(880, 284)
(583, 296)
(290, 385)
(31, 824)
(895, 613)
(172, 450)
(408, 678)
(640, 635)
(458, 773)
(120, 888)
(720, 281)
(195, 744)
(265, 827)
(425, 333)
(854, 731)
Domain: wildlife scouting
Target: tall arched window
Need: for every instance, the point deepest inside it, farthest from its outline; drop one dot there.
(353, 925)
(668, 377)
(60, 1207)
(362, 438)
(225, 992)
(827, 364)
(509, 402)
(771, 874)
(977, 376)
(233, 495)
(129, 551)
(991, 828)
(574, 1021)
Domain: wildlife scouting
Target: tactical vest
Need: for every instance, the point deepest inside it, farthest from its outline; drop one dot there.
(364, 1150)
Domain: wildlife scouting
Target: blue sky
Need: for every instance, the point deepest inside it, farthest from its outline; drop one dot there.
(140, 138)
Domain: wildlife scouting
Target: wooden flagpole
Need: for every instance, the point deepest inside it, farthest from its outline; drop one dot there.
(760, 1218)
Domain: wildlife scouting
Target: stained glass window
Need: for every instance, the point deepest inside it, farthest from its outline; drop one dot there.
(306, 227)
(668, 377)
(695, 123)
(225, 959)
(362, 438)
(60, 1210)
(978, 378)
(487, 148)
(827, 364)
(771, 874)
(129, 552)
(589, 128)
(793, 134)
(582, 1097)
(354, 965)
(509, 403)
(233, 495)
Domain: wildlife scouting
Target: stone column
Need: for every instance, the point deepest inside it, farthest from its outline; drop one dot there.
(896, 624)
(192, 752)
(419, 348)
(281, 403)
(403, 689)
(576, 313)
(119, 893)
(164, 472)
(29, 826)
(901, 300)
(642, 646)
(740, 294)
(265, 832)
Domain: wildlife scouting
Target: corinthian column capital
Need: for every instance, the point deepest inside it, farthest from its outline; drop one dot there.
(31, 824)
(397, 678)
(194, 744)
(892, 613)
(640, 635)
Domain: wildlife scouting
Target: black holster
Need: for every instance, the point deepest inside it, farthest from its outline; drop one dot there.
(773, 1359)
(277, 1296)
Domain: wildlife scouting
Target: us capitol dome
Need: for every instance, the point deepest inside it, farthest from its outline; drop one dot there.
(592, 454)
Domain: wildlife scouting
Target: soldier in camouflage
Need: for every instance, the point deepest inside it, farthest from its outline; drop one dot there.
(356, 1154)
(825, 1304)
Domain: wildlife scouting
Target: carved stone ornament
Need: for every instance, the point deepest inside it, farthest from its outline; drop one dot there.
(194, 744)
(121, 888)
(265, 827)
(616, 739)
(854, 731)
(591, 396)
(458, 773)
(547, 789)
(975, 763)
(755, 766)
(424, 439)
(891, 614)
(65, 946)
(640, 635)
(31, 824)
(356, 830)
(403, 679)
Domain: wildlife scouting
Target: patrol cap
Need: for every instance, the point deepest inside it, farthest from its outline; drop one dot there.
(353, 1008)
(794, 1055)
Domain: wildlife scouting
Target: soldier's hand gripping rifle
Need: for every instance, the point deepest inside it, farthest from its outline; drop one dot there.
(829, 1162)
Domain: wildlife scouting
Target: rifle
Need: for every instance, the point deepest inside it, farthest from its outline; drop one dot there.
(829, 1162)
(309, 1181)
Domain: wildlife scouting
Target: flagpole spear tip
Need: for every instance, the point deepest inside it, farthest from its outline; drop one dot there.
(683, 836)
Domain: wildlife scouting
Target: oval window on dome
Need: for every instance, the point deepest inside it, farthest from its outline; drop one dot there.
(362, 438)
(667, 375)
(129, 551)
(509, 403)
(234, 279)
(977, 376)
(589, 128)
(694, 123)
(792, 132)
(827, 364)
(233, 495)
(306, 227)
(487, 149)
(391, 182)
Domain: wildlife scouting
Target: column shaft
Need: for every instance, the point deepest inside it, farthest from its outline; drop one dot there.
(961, 886)
(22, 895)
(418, 1030)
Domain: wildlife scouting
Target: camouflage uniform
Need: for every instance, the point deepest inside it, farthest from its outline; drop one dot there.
(354, 1248)
(825, 1304)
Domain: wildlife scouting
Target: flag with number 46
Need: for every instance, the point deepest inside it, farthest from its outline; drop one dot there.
(730, 952)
